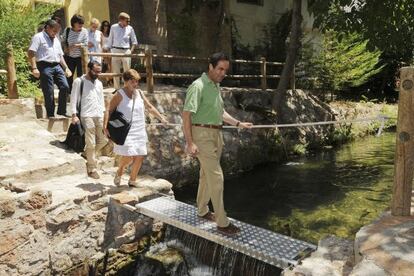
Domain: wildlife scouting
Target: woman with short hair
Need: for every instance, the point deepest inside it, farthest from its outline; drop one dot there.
(95, 38)
(74, 38)
(132, 102)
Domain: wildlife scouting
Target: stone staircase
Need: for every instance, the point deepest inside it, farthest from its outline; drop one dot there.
(55, 218)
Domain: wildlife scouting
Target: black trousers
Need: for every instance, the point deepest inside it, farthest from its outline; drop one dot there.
(50, 74)
(73, 64)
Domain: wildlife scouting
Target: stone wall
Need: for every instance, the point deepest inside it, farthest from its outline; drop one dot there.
(244, 149)
(40, 237)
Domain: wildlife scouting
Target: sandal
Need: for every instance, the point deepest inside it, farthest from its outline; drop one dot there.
(117, 180)
(133, 183)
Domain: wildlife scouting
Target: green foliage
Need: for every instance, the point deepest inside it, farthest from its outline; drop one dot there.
(342, 62)
(27, 86)
(272, 43)
(185, 33)
(18, 23)
(387, 24)
(299, 149)
(275, 33)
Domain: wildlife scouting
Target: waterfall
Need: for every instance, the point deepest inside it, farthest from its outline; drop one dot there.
(201, 257)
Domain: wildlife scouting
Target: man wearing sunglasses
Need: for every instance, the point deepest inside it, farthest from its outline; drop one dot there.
(87, 93)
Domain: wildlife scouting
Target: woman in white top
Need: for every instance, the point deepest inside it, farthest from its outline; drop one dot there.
(134, 149)
(74, 38)
(95, 39)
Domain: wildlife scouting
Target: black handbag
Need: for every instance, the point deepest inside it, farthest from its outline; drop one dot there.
(75, 138)
(118, 125)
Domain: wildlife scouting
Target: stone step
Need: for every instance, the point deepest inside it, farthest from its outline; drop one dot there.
(32, 154)
(40, 110)
(78, 188)
(55, 125)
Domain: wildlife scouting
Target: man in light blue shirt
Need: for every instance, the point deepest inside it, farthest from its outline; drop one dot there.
(47, 63)
(121, 36)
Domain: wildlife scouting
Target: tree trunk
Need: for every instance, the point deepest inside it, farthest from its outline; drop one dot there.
(223, 43)
(292, 53)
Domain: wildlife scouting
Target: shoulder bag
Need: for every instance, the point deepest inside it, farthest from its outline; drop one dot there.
(118, 125)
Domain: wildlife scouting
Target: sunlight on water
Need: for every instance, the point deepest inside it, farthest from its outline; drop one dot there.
(336, 191)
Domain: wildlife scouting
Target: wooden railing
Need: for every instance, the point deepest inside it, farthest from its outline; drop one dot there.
(10, 71)
(404, 150)
(149, 56)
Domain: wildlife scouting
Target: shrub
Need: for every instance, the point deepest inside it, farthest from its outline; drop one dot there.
(18, 23)
(342, 62)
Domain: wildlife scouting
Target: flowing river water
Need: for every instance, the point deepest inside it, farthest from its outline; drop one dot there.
(335, 191)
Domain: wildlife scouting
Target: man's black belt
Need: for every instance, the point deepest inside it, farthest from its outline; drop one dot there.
(120, 48)
(46, 63)
(209, 126)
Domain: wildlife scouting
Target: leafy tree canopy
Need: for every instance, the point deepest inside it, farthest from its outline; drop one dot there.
(342, 62)
(19, 21)
(387, 24)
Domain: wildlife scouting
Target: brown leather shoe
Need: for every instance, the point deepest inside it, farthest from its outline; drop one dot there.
(94, 175)
(231, 229)
(209, 216)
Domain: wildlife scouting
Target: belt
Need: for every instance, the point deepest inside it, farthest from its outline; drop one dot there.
(120, 48)
(48, 63)
(209, 126)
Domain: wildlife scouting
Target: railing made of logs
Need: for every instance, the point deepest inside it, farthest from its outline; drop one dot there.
(10, 72)
(149, 56)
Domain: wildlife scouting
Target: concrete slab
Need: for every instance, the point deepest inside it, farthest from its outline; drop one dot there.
(30, 153)
(17, 109)
(80, 187)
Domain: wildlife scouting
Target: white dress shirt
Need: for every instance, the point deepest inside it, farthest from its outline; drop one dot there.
(46, 48)
(120, 37)
(92, 102)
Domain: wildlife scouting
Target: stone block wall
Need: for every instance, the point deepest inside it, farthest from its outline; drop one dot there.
(243, 149)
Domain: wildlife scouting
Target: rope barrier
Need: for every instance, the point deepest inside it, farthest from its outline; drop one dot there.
(381, 118)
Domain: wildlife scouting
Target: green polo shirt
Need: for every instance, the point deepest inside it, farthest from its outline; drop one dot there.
(204, 101)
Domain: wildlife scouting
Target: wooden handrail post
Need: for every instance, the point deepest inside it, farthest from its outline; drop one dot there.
(84, 59)
(149, 70)
(263, 73)
(404, 152)
(11, 74)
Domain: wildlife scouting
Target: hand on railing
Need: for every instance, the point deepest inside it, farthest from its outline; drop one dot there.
(245, 125)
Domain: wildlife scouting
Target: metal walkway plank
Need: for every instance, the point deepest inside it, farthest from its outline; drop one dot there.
(267, 246)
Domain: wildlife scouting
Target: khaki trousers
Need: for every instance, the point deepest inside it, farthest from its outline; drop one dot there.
(117, 63)
(95, 140)
(211, 184)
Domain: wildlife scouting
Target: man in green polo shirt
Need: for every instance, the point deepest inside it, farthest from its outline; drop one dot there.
(203, 118)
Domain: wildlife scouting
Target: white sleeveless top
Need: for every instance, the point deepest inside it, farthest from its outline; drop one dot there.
(136, 141)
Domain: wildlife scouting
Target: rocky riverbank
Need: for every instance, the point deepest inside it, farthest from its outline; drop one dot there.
(55, 220)
(245, 149)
